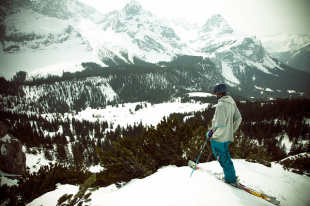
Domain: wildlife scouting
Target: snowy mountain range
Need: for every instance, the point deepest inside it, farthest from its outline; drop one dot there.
(285, 42)
(56, 40)
(137, 32)
(299, 59)
(292, 50)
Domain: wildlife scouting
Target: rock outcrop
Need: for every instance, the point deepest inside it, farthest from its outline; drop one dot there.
(12, 158)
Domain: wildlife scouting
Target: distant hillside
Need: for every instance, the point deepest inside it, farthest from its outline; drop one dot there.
(299, 59)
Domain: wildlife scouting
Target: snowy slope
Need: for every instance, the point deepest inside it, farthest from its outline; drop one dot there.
(299, 59)
(186, 31)
(292, 50)
(285, 42)
(39, 44)
(173, 186)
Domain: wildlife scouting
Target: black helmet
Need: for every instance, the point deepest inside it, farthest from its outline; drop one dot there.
(220, 88)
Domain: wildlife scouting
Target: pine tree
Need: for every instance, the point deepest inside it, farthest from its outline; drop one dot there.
(247, 149)
(61, 153)
(77, 152)
(155, 147)
(296, 148)
(81, 197)
(291, 129)
(196, 140)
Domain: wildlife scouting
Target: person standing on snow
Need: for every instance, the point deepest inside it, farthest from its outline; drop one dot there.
(225, 122)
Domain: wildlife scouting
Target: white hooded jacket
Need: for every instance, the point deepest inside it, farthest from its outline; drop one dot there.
(226, 120)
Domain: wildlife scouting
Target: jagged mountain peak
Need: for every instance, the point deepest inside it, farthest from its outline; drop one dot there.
(144, 32)
(132, 8)
(134, 11)
(132, 16)
(218, 24)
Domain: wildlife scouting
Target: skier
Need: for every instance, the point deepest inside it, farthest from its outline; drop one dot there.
(225, 122)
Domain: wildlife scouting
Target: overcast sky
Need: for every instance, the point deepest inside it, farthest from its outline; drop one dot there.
(255, 17)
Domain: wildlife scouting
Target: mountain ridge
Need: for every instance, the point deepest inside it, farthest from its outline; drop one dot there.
(134, 35)
(299, 58)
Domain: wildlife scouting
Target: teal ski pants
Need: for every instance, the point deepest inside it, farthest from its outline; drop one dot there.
(221, 153)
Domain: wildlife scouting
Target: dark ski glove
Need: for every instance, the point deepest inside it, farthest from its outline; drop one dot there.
(209, 134)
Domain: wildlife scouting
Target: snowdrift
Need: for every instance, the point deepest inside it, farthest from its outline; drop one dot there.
(173, 185)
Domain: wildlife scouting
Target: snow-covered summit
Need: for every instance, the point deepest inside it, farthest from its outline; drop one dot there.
(138, 32)
(132, 8)
(217, 25)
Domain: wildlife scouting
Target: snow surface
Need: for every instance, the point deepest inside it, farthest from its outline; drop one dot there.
(228, 73)
(270, 63)
(6, 138)
(186, 30)
(5, 180)
(34, 162)
(173, 185)
(52, 59)
(291, 91)
(259, 66)
(286, 142)
(56, 60)
(125, 114)
(3, 150)
(27, 21)
(200, 94)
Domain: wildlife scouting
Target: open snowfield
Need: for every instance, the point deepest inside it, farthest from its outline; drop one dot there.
(125, 114)
(171, 185)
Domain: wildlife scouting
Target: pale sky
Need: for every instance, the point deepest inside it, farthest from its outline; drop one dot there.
(254, 17)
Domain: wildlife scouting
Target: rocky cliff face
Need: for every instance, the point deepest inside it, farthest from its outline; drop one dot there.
(12, 158)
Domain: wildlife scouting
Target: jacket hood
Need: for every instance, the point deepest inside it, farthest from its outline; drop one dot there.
(228, 99)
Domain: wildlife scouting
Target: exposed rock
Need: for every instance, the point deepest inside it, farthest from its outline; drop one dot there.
(12, 158)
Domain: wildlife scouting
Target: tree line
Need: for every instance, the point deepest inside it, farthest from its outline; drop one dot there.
(131, 83)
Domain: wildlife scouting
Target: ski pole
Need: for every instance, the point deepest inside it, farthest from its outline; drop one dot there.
(199, 156)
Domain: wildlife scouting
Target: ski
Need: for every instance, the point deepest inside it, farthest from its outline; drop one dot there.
(255, 193)
(240, 186)
(197, 168)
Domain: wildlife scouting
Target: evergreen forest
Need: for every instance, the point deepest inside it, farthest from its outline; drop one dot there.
(138, 151)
